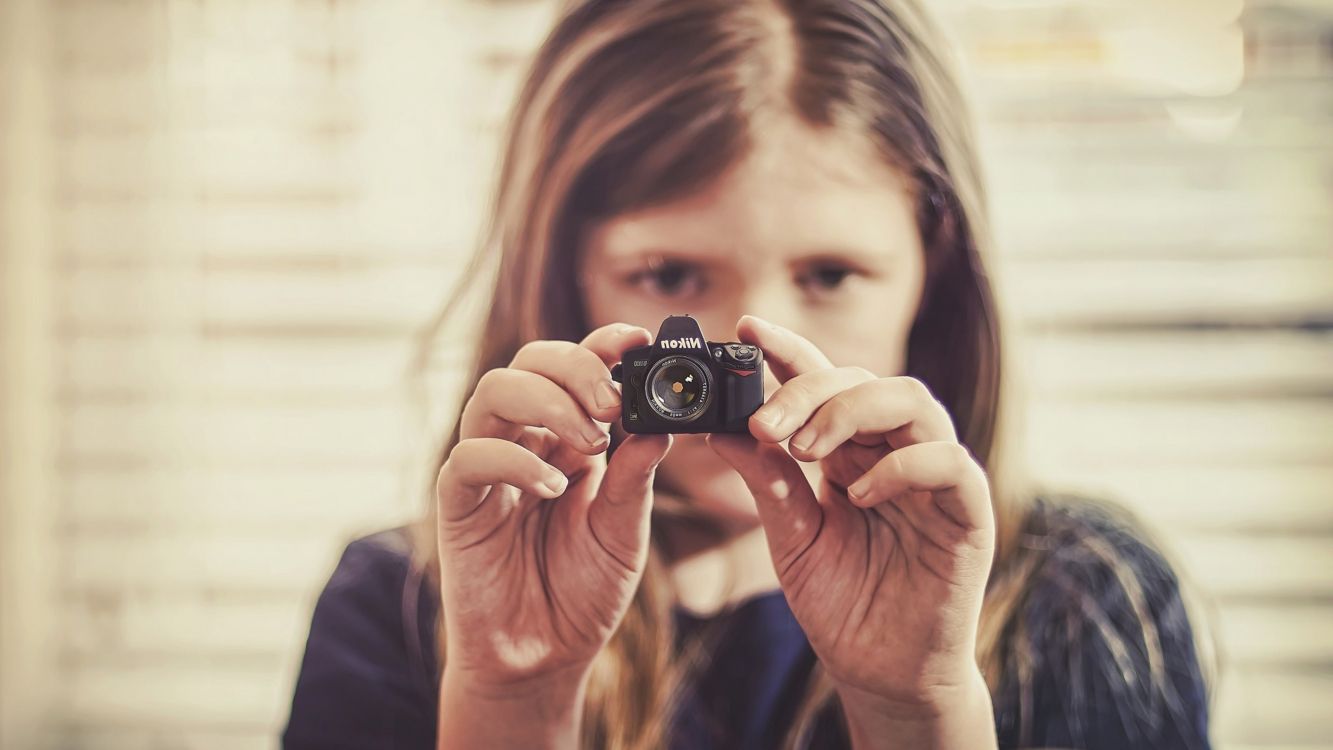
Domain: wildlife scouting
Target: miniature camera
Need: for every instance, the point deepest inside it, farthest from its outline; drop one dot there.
(684, 384)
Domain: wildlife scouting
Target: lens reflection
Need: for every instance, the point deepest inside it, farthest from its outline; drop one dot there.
(678, 387)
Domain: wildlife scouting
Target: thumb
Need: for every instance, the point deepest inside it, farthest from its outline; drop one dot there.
(618, 516)
(787, 506)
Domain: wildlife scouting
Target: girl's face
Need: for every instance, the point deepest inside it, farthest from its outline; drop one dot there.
(812, 231)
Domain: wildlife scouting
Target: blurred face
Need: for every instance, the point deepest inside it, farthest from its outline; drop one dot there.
(812, 231)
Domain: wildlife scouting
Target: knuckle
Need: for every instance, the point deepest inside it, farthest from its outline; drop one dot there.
(524, 352)
(466, 449)
(861, 374)
(449, 468)
(960, 458)
(531, 350)
(842, 406)
(799, 391)
(584, 354)
(918, 390)
(588, 364)
(492, 379)
(543, 352)
(557, 350)
(490, 390)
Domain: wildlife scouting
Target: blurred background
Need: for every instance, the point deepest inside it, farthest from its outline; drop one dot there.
(223, 221)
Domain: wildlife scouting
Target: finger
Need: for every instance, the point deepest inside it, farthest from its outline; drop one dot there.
(787, 506)
(579, 369)
(619, 515)
(959, 486)
(901, 408)
(474, 465)
(506, 400)
(550, 448)
(846, 464)
(792, 404)
(610, 342)
(786, 353)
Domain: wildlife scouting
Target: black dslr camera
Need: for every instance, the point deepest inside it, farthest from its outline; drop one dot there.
(684, 384)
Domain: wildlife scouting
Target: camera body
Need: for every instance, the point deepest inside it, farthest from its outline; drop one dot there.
(682, 383)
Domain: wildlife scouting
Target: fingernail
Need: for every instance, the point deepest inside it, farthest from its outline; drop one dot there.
(596, 438)
(606, 395)
(803, 440)
(769, 415)
(555, 482)
(859, 489)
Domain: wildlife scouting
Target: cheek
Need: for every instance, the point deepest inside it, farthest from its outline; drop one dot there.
(874, 330)
(598, 300)
(605, 302)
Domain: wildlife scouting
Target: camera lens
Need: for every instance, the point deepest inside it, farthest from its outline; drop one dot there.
(677, 388)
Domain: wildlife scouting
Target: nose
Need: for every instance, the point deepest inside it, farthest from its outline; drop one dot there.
(772, 298)
(777, 302)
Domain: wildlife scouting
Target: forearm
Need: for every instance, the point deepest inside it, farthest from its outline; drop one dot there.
(534, 716)
(963, 719)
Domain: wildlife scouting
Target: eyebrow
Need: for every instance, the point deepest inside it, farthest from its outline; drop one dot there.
(711, 256)
(660, 252)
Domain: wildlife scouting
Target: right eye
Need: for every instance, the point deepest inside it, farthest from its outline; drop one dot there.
(670, 280)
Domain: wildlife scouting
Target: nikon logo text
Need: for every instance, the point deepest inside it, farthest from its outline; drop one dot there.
(689, 342)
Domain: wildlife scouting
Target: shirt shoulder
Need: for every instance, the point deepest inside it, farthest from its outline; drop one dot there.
(371, 564)
(1102, 652)
(367, 674)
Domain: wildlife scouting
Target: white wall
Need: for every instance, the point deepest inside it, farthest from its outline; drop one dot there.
(28, 633)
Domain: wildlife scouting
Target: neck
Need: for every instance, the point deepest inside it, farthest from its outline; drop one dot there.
(711, 568)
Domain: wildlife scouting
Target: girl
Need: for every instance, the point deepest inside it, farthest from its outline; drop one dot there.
(798, 173)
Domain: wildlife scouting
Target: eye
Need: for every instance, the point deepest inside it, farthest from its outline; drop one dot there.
(825, 277)
(670, 279)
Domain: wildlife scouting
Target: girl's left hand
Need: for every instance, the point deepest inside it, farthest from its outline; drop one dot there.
(885, 566)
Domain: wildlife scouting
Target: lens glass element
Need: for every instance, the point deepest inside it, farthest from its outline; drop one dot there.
(677, 388)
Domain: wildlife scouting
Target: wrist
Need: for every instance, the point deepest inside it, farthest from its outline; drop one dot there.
(954, 716)
(545, 712)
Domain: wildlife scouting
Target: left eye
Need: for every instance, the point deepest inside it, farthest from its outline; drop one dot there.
(825, 278)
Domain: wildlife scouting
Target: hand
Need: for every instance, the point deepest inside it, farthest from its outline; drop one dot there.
(885, 566)
(542, 540)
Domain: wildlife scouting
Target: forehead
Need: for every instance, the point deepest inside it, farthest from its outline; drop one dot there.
(798, 190)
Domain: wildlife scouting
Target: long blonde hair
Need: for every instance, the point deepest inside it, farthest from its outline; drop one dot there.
(634, 102)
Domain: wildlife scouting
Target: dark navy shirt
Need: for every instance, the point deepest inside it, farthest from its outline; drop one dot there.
(369, 675)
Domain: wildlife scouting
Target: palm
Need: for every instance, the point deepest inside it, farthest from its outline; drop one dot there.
(540, 567)
(887, 582)
(879, 590)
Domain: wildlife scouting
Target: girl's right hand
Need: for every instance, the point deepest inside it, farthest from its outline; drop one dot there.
(542, 541)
